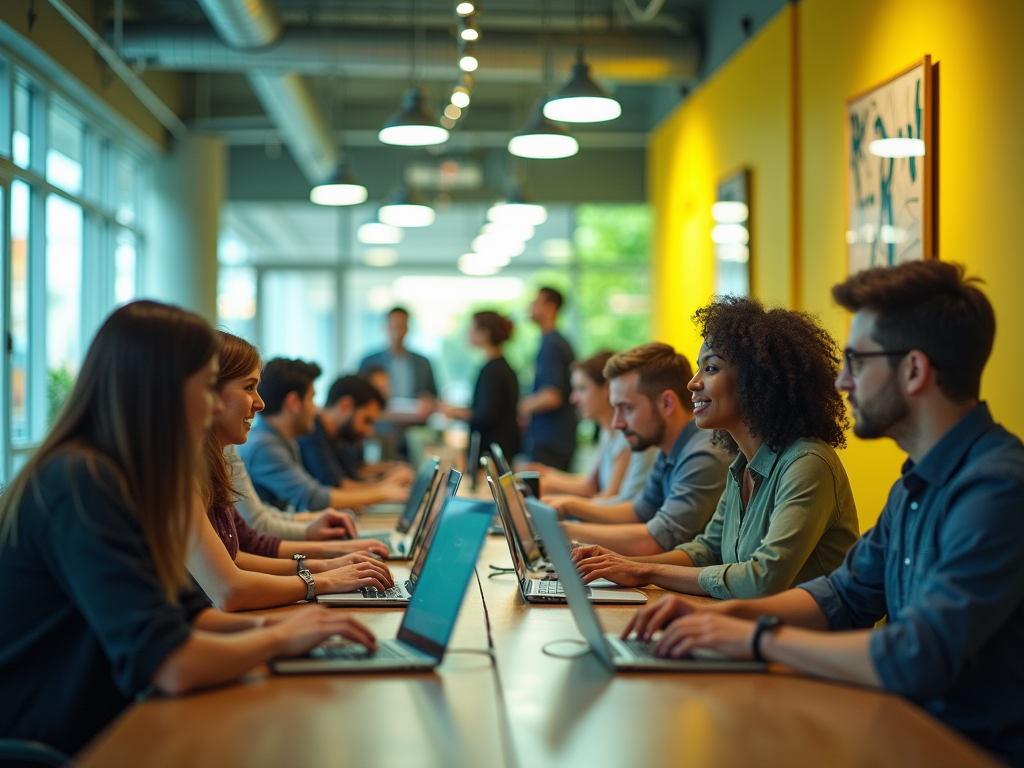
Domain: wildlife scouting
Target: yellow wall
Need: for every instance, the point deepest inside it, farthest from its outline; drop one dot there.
(740, 117)
(844, 47)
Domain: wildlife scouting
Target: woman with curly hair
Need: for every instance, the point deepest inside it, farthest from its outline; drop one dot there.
(765, 385)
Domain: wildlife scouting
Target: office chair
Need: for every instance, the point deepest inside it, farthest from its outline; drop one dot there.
(18, 752)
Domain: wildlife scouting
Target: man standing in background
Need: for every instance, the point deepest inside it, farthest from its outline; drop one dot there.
(551, 418)
(409, 374)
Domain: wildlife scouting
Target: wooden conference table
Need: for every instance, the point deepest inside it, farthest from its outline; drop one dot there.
(546, 712)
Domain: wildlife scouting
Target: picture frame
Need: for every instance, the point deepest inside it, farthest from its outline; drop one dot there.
(891, 170)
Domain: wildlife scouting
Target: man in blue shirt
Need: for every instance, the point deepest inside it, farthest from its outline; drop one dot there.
(652, 406)
(409, 374)
(551, 436)
(945, 563)
(272, 457)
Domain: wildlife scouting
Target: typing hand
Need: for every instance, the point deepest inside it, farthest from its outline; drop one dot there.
(654, 616)
(562, 503)
(318, 566)
(613, 567)
(307, 627)
(706, 629)
(364, 546)
(331, 524)
(584, 551)
(402, 473)
(355, 576)
(394, 491)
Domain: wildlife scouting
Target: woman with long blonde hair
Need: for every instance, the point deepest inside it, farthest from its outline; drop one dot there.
(94, 590)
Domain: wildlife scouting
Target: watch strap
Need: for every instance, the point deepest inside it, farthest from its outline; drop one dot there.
(764, 624)
(307, 577)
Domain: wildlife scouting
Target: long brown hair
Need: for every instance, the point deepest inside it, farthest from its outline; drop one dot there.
(126, 412)
(238, 358)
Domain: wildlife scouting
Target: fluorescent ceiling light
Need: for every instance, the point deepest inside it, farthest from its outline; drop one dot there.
(898, 147)
(460, 97)
(468, 63)
(407, 215)
(465, 8)
(732, 252)
(730, 212)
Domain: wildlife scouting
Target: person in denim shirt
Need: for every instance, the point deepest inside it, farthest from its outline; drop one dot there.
(765, 385)
(945, 563)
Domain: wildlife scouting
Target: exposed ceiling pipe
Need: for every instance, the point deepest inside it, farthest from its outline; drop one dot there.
(254, 25)
(290, 105)
(384, 53)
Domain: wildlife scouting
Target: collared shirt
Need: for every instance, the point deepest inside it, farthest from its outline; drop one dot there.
(799, 523)
(409, 375)
(275, 467)
(320, 456)
(683, 488)
(946, 564)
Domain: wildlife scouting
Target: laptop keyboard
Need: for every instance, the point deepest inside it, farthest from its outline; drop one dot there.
(550, 587)
(640, 648)
(354, 652)
(374, 593)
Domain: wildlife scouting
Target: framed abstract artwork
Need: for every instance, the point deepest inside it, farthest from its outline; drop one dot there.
(891, 184)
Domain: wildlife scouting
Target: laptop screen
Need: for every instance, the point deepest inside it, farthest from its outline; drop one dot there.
(434, 607)
(524, 531)
(557, 547)
(430, 525)
(506, 523)
(418, 493)
(499, 458)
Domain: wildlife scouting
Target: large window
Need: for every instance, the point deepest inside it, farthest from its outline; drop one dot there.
(71, 192)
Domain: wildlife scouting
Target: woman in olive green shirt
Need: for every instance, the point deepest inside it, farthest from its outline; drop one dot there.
(765, 384)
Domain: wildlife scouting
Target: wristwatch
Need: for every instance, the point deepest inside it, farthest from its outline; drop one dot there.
(768, 623)
(306, 576)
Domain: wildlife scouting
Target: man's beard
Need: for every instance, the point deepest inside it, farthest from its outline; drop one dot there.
(881, 412)
(641, 442)
(348, 434)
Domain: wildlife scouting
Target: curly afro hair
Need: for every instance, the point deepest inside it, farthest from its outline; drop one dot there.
(787, 370)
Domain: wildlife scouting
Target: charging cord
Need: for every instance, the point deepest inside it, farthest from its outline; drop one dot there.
(582, 644)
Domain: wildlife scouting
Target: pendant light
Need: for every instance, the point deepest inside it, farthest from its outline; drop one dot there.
(517, 210)
(541, 139)
(582, 100)
(340, 189)
(376, 232)
(406, 209)
(413, 125)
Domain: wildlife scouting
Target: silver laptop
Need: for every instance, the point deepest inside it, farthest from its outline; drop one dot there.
(427, 625)
(400, 594)
(536, 584)
(613, 651)
(399, 539)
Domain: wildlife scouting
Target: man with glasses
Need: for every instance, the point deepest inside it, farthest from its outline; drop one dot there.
(945, 563)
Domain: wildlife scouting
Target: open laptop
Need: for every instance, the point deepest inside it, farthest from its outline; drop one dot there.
(399, 539)
(535, 583)
(613, 651)
(401, 593)
(428, 623)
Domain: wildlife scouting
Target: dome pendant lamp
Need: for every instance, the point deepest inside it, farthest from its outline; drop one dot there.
(582, 100)
(406, 209)
(340, 189)
(413, 125)
(541, 139)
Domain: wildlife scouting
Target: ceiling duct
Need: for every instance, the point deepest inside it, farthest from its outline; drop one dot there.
(247, 27)
(512, 57)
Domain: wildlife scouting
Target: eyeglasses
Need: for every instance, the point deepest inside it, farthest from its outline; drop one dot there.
(855, 360)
